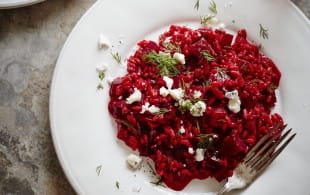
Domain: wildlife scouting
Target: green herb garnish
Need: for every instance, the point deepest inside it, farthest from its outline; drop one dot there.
(197, 5)
(206, 54)
(170, 47)
(185, 105)
(130, 126)
(206, 140)
(117, 184)
(165, 63)
(198, 126)
(212, 7)
(98, 169)
(263, 32)
(99, 86)
(101, 75)
(272, 87)
(206, 19)
(117, 57)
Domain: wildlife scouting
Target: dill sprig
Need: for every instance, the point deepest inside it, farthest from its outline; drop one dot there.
(206, 54)
(170, 47)
(98, 169)
(263, 32)
(101, 75)
(212, 7)
(272, 87)
(99, 86)
(197, 4)
(130, 126)
(165, 63)
(117, 57)
(206, 19)
(206, 140)
(117, 184)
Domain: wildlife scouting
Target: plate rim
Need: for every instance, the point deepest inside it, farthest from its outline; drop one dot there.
(60, 156)
(22, 3)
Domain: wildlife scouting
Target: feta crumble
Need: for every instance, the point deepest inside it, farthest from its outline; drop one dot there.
(191, 150)
(234, 101)
(110, 80)
(134, 97)
(163, 91)
(200, 154)
(179, 57)
(103, 42)
(177, 94)
(182, 130)
(197, 94)
(134, 161)
(152, 109)
(169, 82)
(198, 109)
(101, 68)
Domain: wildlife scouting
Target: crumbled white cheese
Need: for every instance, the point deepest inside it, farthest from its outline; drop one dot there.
(134, 161)
(152, 109)
(182, 130)
(234, 105)
(191, 150)
(213, 20)
(101, 68)
(134, 97)
(103, 42)
(221, 26)
(197, 94)
(177, 94)
(110, 80)
(232, 94)
(163, 91)
(221, 76)
(169, 82)
(198, 109)
(234, 101)
(179, 57)
(200, 154)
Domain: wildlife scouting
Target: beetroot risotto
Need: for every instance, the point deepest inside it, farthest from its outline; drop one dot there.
(195, 102)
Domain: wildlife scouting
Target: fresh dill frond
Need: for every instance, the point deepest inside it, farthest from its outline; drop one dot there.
(117, 57)
(98, 169)
(212, 7)
(99, 86)
(206, 54)
(101, 75)
(263, 32)
(170, 47)
(206, 19)
(197, 4)
(165, 63)
(117, 184)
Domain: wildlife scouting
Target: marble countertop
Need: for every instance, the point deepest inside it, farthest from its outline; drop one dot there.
(30, 41)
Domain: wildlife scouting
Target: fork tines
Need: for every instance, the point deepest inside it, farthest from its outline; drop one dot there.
(268, 148)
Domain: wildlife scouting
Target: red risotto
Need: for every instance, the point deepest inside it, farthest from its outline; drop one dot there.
(195, 102)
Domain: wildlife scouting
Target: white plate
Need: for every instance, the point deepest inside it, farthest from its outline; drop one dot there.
(7, 4)
(83, 132)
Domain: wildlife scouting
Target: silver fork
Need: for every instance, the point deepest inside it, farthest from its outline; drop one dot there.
(258, 159)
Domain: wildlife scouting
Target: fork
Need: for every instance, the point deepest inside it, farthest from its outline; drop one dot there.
(258, 159)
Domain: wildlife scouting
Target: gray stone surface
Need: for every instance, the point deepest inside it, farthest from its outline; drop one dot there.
(30, 41)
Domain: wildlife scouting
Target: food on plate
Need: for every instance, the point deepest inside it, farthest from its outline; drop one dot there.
(195, 102)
